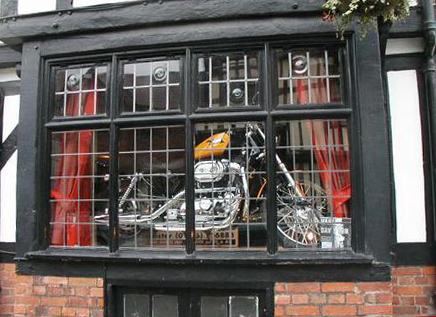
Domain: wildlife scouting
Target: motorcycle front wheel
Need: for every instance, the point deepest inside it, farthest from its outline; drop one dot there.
(299, 214)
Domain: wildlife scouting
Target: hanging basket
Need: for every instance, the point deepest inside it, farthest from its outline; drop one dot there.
(368, 13)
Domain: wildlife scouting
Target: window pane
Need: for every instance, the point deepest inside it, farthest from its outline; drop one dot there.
(228, 306)
(228, 80)
(80, 92)
(165, 306)
(214, 306)
(313, 184)
(151, 86)
(244, 306)
(230, 186)
(151, 187)
(79, 188)
(136, 305)
(313, 75)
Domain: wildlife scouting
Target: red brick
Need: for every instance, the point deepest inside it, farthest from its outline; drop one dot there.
(337, 287)
(82, 291)
(384, 298)
(406, 280)
(317, 298)
(403, 310)
(336, 299)
(299, 299)
(279, 311)
(408, 290)
(68, 311)
(302, 310)
(96, 292)
(82, 312)
(408, 270)
(10, 299)
(425, 280)
(422, 300)
(54, 301)
(374, 310)
(39, 311)
(428, 290)
(20, 309)
(27, 300)
(39, 290)
(24, 279)
(407, 300)
(101, 303)
(80, 302)
(355, 299)
(429, 270)
(302, 288)
(396, 300)
(339, 310)
(96, 313)
(283, 299)
(55, 280)
(280, 288)
(55, 290)
(82, 281)
(375, 287)
(54, 311)
(23, 289)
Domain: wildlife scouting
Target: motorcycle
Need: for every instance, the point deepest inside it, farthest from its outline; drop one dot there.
(230, 188)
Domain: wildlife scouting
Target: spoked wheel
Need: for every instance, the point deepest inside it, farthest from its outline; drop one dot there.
(298, 214)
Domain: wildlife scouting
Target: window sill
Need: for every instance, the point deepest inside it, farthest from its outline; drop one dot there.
(319, 257)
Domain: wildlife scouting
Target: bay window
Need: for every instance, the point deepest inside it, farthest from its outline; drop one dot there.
(202, 150)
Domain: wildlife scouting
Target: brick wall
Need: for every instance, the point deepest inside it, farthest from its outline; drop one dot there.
(334, 299)
(48, 296)
(410, 293)
(413, 289)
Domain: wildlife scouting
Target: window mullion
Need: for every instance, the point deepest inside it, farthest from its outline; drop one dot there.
(271, 154)
(113, 167)
(189, 146)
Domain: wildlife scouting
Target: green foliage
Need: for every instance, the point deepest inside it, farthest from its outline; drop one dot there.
(342, 12)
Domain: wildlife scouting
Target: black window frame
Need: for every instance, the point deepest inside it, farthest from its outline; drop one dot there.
(268, 111)
(189, 296)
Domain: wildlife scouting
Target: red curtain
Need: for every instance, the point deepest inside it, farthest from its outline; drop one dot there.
(333, 161)
(72, 218)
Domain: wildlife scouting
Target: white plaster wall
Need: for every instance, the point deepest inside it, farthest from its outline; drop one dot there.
(84, 3)
(405, 46)
(11, 111)
(407, 156)
(8, 175)
(8, 192)
(35, 6)
(8, 74)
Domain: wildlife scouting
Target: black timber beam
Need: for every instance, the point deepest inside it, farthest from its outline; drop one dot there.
(145, 13)
(412, 25)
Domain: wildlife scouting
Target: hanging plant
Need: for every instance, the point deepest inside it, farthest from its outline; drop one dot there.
(367, 12)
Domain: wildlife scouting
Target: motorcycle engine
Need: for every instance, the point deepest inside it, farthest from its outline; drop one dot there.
(209, 171)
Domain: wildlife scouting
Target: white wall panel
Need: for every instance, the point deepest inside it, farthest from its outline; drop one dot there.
(84, 3)
(407, 156)
(405, 46)
(35, 6)
(8, 74)
(8, 192)
(11, 111)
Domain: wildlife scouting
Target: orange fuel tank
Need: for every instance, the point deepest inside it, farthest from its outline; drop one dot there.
(215, 145)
